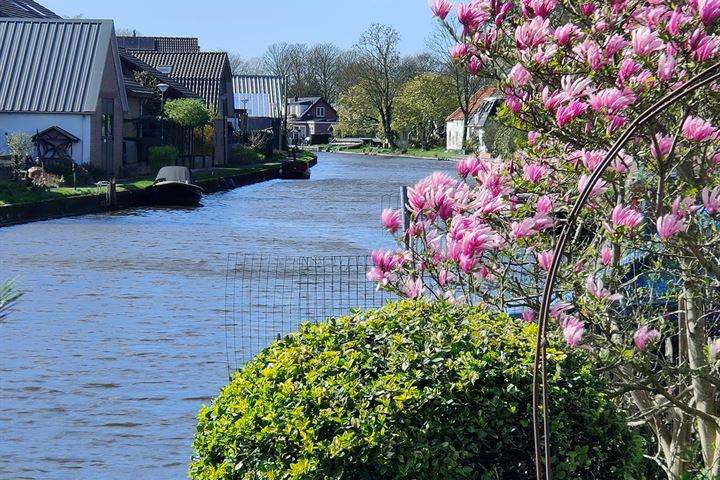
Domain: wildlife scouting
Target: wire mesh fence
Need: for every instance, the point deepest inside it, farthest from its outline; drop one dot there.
(267, 297)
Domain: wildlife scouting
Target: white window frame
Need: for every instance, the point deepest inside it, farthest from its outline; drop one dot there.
(320, 112)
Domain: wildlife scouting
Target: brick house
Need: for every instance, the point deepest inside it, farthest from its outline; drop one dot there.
(66, 74)
(310, 120)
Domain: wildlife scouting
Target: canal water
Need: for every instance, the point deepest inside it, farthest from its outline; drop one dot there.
(119, 337)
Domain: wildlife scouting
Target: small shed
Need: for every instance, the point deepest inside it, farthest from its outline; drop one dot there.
(54, 144)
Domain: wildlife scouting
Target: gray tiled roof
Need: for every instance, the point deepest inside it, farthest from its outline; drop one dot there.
(261, 95)
(201, 72)
(138, 65)
(159, 44)
(24, 9)
(53, 65)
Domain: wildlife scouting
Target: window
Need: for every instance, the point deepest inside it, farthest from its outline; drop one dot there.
(320, 112)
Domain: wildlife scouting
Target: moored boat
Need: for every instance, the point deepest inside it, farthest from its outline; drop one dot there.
(294, 169)
(174, 186)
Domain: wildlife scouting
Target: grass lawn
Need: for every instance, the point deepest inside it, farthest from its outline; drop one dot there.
(12, 193)
(436, 152)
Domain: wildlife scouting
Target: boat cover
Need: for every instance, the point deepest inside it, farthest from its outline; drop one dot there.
(174, 174)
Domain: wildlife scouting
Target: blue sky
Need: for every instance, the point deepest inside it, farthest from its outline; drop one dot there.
(248, 27)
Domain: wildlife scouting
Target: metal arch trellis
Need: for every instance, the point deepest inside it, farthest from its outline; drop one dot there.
(542, 454)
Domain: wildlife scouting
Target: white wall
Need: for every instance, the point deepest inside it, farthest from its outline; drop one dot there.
(453, 135)
(77, 124)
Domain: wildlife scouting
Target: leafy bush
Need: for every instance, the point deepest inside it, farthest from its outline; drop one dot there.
(244, 155)
(413, 390)
(162, 156)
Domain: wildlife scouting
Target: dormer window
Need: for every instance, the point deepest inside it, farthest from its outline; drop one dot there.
(320, 112)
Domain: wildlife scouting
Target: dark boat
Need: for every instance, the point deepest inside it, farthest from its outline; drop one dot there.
(174, 186)
(295, 170)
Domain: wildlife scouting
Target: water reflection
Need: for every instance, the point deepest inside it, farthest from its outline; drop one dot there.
(119, 338)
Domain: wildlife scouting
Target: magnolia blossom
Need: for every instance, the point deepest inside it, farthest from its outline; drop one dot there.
(523, 229)
(573, 330)
(598, 189)
(440, 8)
(533, 173)
(532, 33)
(666, 67)
(470, 16)
(588, 9)
(545, 205)
(611, 99)
(528, 315)
(646, 41)
(626, 217)
(714, 348)
(571, 111)
(598, 290)
(668, 225)
(533, 138)
(606, 256)
(469, 166)
(709, 11)
(644, 336)
(711, 200)
(386, 263)
(413, 288)
(566, 34)
(698, 130)
(661, 146)
(519, 76)
(545, 259)
(391, 219)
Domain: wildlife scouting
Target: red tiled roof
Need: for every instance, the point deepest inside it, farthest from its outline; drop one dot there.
(476, 100)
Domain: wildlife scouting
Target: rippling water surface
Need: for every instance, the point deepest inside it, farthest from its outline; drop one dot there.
(119, 338)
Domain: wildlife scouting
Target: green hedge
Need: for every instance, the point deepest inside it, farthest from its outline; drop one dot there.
(410, 391)
(162, 156)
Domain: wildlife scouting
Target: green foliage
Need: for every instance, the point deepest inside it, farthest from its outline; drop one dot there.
(162, 156)
(188, 112)
(422, 106)
(501, 137)
(244, 155)
(357, 115)
(410, 391)
(9, 294)
(20, 145)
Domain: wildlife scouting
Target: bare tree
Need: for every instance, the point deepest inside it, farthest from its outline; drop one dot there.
(464, 84)
(323, 62)
(378, 69)
(251, 66)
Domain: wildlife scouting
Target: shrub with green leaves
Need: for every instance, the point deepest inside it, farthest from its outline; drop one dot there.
(162, 156)
(413, 391)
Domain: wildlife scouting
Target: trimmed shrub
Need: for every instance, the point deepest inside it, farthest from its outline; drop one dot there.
(414, 391)
(162, 156)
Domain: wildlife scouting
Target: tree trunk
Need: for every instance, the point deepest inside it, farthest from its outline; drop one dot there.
(703, 391)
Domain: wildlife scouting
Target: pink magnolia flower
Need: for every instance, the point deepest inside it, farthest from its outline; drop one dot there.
(616, 122)
(470, 15)
(440, 8)
(534, 173)
(664, 145)
(714, 348)
(541, 8)
(391, 219)
(598, 290)
(573, 110)
(559, 309)
(644, 337)
(573, 330)
(599, 188)
(553, 100)
(475, 64)
(532, 33)
(592, 54)
(703, 46)
(709, 11)
(591, 159)
(523, 229)
(386, 263)
(666, 67)
(711, 200)
(469, 166)
(628, 68)
(622, 163)
(519, 76)
(460, 50)
(626, 217)
(611, 100)
(545, 259)
(698, 130)
(668, 225)
(545, 205)
(528, 316)
(533, 138)
(575, 87)
(682, 207)
(606, 256)
(646, 41)
(614, 44)
(566, 34)
(413, 288)
(588, 9)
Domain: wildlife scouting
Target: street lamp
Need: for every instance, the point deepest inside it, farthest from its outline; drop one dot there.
(163, 88)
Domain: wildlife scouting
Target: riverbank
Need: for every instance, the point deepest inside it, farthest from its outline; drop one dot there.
(453, 158)
(97, 200)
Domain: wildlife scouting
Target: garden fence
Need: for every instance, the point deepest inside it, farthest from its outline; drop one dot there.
(267, 297)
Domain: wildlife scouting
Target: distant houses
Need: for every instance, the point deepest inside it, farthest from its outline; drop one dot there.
(311, 120)
(482, 105)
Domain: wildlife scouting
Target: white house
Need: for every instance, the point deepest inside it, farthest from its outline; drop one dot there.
(483, 104)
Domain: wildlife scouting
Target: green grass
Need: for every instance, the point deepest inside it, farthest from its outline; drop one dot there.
(436, 152)
(13, 193)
